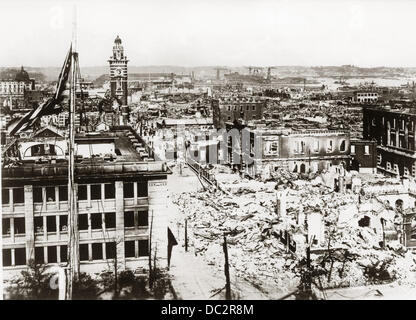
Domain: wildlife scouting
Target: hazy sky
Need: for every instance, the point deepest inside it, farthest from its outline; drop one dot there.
(212, 32)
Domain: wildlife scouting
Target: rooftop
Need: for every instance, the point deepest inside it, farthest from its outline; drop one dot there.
(119, 152)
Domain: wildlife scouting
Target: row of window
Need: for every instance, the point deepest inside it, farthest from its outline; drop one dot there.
(300, 146)
(95, 221)
(49, 194)
(18, 195)
(367, 94)
(410, 124)
(95, 251)
(229, 108)
(395, 167)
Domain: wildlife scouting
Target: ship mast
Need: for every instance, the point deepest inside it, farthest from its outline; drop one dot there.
(73, 235)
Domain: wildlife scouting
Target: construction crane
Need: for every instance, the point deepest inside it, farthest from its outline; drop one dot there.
(269, 73)
(219, 69)
(254, 70)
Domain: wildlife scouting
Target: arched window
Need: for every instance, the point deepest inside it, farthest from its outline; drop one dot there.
(342, 146)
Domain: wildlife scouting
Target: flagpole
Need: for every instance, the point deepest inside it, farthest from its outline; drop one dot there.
(73, 248)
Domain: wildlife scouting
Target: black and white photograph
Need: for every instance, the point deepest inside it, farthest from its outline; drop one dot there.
(209, 155)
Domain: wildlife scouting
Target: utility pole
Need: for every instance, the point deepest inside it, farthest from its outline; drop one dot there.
(186, 234)
(226, 271)
(308, 278)
(384, 235)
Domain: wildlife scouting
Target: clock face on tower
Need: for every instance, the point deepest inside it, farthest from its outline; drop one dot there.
(118, 71)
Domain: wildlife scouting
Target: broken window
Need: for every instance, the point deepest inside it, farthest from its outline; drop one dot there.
(20, 256)
(5, 196)
(143, 248)
(37, 195)
(51, 224)
(342, 147)
(367, 150)
(83, 222)
(110, 220)
(129, 219)
(63, 193)
(38, 221)
(110, 250)
(109, 190)
(64, 253)
(18, 195)
(129, 249)
(142, 189)
(295, 168)
(83, 252)
(143, 218)
(96, 192)
(39, 255)
(329, 146)
(50, 194)
(352, 149)
(97, 251)
(82, 192)
(388, 165)
(96, 221)
(19, 225)
(6, 226)
(316, 146)
(7, 257)
(52, 254)
(63, 223)
(128, 190)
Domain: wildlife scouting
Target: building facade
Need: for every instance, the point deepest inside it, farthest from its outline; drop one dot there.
(297, 151)
(230, 109)
(119, 195)
(365, 97)
(17, 86)
(394, 132)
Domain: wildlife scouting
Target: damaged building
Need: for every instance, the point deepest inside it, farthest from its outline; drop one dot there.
(394, 132)
(232, 108)
(118, 194)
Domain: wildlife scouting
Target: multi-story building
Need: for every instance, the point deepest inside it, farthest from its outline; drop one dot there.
(297, 151)
(17, 86)
(229, 109)
(365, 97)
(394, 131)
(119, 195)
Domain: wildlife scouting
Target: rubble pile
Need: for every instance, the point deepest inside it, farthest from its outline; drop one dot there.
(248, 218)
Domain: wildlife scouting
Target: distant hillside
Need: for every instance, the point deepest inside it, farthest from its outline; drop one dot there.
(10, 73)
(346, 71)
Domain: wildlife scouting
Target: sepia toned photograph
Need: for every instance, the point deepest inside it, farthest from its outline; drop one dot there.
(209, 155)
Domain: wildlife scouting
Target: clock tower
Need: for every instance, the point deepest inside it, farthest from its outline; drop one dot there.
(118, 73)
